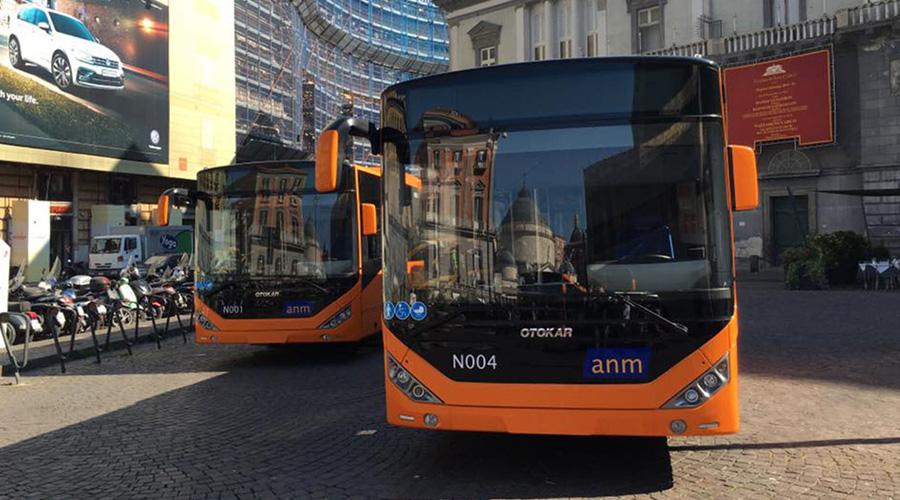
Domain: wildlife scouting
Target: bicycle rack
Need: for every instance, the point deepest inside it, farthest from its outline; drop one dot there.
(171, 308)
(72, 330)
(116, 318)
(9, 336)
(144, 307)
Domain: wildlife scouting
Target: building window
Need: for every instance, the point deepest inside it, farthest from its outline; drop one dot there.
(480, 161)
(487, 56)
(564, 28)
(565, 49)
(457, 201)
(263, 218)
(592, 38)
(783, 12)
(592, 44)
(539, 50)
(649, 23)
(478, 216)
(436, 159)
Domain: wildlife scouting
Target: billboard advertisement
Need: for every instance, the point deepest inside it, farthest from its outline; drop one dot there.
(86, 76)
(781, 99)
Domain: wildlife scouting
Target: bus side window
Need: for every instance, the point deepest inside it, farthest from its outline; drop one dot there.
(370, 192)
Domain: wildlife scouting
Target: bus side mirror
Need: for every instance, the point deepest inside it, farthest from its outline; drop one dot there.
(369, 219)
(334, 150)
(178, 197)
(327, 161)
(163, 205)
(744, 179)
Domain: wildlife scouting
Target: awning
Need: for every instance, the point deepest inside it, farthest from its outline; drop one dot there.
(864, 192)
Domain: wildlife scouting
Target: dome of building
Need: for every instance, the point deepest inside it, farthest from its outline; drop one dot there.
(524, 210)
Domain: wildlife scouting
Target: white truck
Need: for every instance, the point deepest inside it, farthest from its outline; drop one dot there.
(111, 252)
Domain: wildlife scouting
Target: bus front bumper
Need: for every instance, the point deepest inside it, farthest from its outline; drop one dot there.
(718, 415)
(350, 331)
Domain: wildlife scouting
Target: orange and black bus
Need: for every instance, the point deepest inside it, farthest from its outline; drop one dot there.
(566, 264)
(283, 256)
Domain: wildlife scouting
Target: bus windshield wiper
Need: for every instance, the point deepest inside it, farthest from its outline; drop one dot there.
(303, 280)
(624, 298)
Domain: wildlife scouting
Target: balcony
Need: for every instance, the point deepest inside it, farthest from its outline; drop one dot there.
(869, 14)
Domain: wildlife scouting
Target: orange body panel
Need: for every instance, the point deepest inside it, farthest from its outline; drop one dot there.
(576, 409)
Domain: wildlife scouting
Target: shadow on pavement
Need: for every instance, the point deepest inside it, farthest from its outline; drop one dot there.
(844, 336)
(467, 465)
(274, 426)
(820, 443)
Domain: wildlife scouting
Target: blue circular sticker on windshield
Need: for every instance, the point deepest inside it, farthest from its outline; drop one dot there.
(388, 311)
(418, 311)
(402, 310)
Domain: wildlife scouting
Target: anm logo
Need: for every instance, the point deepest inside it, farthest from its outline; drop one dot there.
(617, 363)
(299, 308)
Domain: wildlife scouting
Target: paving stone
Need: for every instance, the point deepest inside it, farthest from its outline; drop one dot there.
(820, 406)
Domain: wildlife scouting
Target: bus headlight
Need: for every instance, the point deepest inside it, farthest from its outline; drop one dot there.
(703, 387)
(336, 320)
(408, 384)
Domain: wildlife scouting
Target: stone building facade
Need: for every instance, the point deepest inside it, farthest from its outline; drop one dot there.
(798, 185)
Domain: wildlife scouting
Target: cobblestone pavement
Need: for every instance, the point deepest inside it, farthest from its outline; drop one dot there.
(820, 409)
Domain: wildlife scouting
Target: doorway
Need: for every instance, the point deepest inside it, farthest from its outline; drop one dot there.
(790, 223)
(61, 239)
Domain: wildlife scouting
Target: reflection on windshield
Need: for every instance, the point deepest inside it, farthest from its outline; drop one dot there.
(282, 228)
(562, 211)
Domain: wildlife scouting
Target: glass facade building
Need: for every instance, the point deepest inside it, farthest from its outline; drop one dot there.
(302, 63)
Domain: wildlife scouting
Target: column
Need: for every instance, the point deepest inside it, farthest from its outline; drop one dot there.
(550, 40)
(577, 28)
(521, 48)
(602, 32)
(454, 47)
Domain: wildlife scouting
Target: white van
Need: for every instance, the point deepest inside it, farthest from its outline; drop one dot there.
(112, 252)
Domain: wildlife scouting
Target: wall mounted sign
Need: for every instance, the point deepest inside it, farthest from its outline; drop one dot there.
(781, 99)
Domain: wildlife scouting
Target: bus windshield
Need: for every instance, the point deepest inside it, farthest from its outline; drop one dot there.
(572, 210)
(268, 222)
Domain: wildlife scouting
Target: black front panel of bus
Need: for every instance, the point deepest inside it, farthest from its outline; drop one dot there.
(530, 345)
(258, 301)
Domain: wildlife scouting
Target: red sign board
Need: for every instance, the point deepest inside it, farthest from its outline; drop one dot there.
(60, 207)
(781, 99)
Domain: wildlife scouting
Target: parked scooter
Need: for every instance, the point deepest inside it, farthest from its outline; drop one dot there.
(32, 324)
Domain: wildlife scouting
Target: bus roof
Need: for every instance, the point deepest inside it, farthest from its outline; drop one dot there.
(548, 67)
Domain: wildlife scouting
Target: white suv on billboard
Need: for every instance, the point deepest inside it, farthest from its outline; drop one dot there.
(65, 47)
